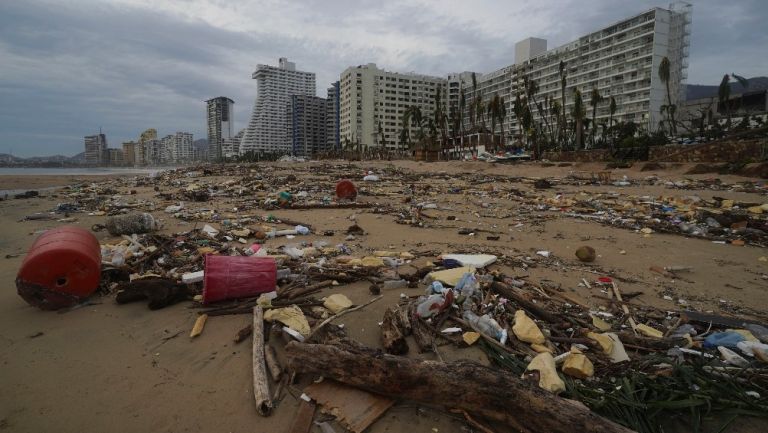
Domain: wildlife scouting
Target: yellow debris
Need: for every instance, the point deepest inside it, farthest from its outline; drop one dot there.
(648, 331)
(744, 333)
(578, 365)
(450, 277)
(727, 204)
(540, 348)
(526, 329)
(337, 303)
(291, 317)
(600, 324)
(544, 363)
(372, 262)
(470, 337)
(603, 340)
(197, 329)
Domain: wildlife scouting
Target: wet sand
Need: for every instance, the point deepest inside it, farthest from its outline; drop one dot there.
(116, 368)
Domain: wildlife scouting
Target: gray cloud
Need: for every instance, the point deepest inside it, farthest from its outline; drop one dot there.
(128, 65)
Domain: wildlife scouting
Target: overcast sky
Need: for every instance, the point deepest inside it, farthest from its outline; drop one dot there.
(68, 67)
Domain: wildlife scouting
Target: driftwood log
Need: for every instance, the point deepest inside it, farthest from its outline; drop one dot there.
(260, 382)
(491, 393)
(272, 363)
(421, 333)
(515, 294)
(392, 335)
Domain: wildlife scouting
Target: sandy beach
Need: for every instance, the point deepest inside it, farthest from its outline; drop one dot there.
(124, 368)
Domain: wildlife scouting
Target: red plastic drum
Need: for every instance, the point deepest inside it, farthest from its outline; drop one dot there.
(62, 267)
(232, 277)
(346, 190)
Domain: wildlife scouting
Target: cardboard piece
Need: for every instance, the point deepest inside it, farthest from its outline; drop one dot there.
(474, 260)
(355, 409)
(450, 277)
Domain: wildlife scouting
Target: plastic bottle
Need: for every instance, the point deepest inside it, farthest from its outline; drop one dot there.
(130, 224)
(430, 306)
(394, 284)
(391, 262)
(436, 288)
(487, 325)
(118, 258)
(467, 285)
(760, 332)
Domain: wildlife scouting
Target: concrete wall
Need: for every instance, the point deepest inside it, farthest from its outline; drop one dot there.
(720, 151)
(596, 155)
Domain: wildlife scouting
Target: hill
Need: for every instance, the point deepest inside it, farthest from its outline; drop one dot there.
(699, 91)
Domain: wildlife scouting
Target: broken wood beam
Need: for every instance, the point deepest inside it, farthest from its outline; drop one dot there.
(512, 293)
(260, 382)
(272, 364)
(301, 291)
(392, 336)
(491, 393)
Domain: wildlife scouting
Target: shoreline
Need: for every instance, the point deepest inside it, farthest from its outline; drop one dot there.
(21, 183)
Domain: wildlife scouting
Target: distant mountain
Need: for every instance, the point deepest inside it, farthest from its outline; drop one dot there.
(6, 158)
(79, 158)
(700, 91)
(54, 158)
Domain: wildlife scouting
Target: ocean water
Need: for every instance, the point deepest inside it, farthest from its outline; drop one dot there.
(74, 171)
(71, 171)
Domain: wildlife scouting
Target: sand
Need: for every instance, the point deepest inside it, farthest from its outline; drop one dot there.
(115, 368)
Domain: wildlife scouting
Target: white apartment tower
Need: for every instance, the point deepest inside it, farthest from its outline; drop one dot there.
(620, 60)
(268, 127)
(182, 147)
(371, 98)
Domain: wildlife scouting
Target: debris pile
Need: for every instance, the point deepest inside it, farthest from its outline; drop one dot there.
(631, 365)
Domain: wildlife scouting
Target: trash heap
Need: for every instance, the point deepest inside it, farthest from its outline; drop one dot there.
(631, 366)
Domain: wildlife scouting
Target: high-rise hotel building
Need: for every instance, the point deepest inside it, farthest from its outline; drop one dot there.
(221, 125)
(620, 60)
(267, 130)
(373, 100)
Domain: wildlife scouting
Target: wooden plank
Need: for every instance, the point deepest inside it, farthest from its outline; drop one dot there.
(355, 409)
(302, 422)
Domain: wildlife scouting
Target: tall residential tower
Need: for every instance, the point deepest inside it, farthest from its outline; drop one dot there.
(96, 150)
(268, 127)
(620, 60)
(220, 125)
(372, 103)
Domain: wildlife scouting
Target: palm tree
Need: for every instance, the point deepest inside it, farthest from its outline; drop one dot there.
(502, 114)
(382, 138)
(612, 110)
(563, 81)
(440, 118)
(724, 93)
(670, 108)
(405, 132)
(496, 113)
(472, 105)
(594, 99)
(578, 113)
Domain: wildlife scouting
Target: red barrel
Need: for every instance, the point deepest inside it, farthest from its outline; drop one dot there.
(232, 277)
(62, 267)
(346, 190)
